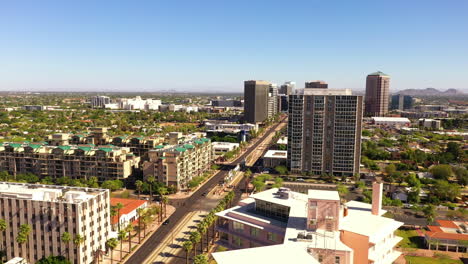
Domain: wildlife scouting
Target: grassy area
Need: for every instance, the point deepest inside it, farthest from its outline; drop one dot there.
(426, 260)
(411, 239)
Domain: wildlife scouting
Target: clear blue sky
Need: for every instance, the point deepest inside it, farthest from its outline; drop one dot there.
(216, 45)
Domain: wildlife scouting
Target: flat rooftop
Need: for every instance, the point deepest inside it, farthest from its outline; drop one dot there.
(276, 154)
(323, 92)
(390, 119)
(323, 195)
(47, 193)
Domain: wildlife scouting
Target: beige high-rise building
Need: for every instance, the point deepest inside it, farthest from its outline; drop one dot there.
(178, 165)
(50, 211)
(324, 132)
(377, 94)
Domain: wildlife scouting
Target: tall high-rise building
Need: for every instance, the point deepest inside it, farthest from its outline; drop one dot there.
(287, 88)
(51, 211)
(256, 101)
(324, 131)
(272, 100)
(377, 94)
(316, 85)
(401, 102)
(100, 101)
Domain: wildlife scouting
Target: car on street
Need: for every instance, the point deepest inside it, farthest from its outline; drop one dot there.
(166, 222)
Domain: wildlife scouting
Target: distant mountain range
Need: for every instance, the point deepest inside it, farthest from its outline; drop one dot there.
(431, 92)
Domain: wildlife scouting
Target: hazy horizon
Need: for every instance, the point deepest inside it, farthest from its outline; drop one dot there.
(213, 46)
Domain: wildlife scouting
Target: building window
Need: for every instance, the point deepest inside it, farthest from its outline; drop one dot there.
(238, 227)
(337, 260)
(320, 258)
(254, 231)
(271, 236)
(237, 241)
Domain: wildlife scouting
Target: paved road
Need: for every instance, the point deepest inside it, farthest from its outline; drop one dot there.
(192, 203)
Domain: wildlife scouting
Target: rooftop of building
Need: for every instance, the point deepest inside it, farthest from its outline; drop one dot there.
(47, 193)
(378, 73)
(282, 141)
(390, 119)
(273, 196)
(323, 92)
(276, 154)
(450, 230)
(297, 239)
(323, 195)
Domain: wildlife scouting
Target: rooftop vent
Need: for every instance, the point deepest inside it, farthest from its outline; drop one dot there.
(283, 193)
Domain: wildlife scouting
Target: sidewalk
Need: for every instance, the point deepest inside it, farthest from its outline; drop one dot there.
(125, 247)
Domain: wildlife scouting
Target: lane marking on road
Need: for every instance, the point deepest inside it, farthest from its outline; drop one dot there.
(164, 244)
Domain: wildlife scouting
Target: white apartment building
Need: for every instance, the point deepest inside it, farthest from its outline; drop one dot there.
(100, 101)
(139, 104)
(50, 211)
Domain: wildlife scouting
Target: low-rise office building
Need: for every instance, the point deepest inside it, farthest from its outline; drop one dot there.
(391, 121)
(176, 165)
(448, 235)
(277, 225)
(223, 147)
(50, 211)
(273, 158)
(430, 123)
(72, 161)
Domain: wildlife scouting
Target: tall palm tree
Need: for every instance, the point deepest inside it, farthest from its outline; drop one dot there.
(112, 244)
(66, 238)
(78, 240)
(145, 219)
(138, 185)
(3, 227)
(122, 236)
(202, 230)
(129, 229)
(118, 207)
(195, 238)
(187, 246)
(140, 212)
(165, 200)
(23, 236)
(151, 180)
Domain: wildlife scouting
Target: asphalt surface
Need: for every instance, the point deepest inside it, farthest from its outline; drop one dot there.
(191, 203)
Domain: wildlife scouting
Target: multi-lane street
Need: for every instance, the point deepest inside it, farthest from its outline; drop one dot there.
(195, 202)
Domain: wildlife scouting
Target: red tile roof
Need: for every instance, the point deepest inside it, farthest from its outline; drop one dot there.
(447, 223)
(129, 205)
(437, 232)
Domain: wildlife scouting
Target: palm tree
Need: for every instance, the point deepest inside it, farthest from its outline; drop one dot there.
(165, 200)
(202, 230)
(140, 212)
(138, 185)
(122, 236)
(23, 236)
(195, 238)
(187, 246)
(200, 259)
(129, 229)
(66, 238)
(78, 240)
(112, 244)
(3, 227)
(118, 207)
(151, 180)
(113, 212)
(146, 219)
